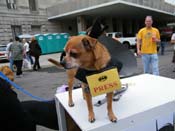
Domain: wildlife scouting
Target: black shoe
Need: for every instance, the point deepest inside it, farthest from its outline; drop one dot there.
(173, 70)
(35, 69)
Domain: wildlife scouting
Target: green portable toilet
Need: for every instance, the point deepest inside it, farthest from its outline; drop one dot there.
(42, 42)
(64, 39)
(57, 42)
(50, 43)
(82, 33)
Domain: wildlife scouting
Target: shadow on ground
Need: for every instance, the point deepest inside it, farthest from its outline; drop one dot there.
(51, 69)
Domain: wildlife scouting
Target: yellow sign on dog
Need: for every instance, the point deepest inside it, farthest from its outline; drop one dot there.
(104, 82)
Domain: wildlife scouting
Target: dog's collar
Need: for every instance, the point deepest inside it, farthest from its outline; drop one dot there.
(82, 73)
(95, 70)
(110, 64)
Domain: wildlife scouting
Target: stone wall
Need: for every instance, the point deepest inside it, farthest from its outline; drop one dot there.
(25, 19)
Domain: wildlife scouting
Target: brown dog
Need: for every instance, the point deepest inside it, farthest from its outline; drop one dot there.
(87, 53)
(8, 72)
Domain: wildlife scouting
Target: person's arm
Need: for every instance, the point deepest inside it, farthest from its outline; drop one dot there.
(8, 49)
(139, 41)
(157, 40)
(22, 49)
(173, 39)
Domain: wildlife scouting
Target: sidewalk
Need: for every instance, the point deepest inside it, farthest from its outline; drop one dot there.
(44, 59)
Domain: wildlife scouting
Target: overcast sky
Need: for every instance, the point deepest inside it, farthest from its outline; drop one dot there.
(170, 1)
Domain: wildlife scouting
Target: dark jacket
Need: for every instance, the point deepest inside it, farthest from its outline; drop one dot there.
(35, 49)
(12, 115)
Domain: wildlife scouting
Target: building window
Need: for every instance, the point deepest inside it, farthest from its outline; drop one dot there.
(11, 4)
(36, 29)
(16, 30)
(32, 5)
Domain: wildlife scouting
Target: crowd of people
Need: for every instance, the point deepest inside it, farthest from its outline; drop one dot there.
(20, 51)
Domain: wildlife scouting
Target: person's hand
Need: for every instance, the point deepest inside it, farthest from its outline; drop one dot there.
(155, 40)
(139, 52)
(172, 41)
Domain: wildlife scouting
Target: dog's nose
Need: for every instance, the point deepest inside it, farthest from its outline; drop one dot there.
(63, 63)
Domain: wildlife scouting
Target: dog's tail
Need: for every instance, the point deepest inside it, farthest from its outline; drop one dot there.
(55, 62)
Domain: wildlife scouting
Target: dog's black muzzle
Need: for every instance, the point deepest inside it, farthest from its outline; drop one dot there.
(63, 63)
(66, 65)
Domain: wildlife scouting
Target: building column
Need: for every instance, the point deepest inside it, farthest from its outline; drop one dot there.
(81, 24)
(136, 26)
(120, 25)
(110, 23)
(129, 27)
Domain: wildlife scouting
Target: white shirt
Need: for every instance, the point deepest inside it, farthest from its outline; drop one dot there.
(7, 48)
(173, 38)
(26, 47)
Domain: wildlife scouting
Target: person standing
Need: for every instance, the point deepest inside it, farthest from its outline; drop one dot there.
(30, 57)
(163, 44)
(26, 51)
(147, 40)
(35, 51)
(26, 48)
(10, 55)
(17, 51)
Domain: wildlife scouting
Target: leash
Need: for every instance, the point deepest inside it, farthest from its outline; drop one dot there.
(21, 89)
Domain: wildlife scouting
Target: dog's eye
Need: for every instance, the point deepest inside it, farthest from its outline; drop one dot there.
(73, 54)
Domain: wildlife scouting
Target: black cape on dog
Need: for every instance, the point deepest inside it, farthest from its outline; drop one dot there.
(121, 58)
(120, 53)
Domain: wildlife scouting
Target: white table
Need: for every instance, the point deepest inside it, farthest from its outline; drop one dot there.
(147, 99)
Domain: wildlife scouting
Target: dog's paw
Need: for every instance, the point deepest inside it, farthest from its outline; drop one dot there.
(112, 118)
(91, 118)
(71, 104)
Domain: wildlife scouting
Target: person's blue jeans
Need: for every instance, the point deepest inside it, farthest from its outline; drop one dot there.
(29, 58)
(150, 63)
(162, 47)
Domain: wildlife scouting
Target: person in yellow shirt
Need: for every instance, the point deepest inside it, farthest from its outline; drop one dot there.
(147, 40)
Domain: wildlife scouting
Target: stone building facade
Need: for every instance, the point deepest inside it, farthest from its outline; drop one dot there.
(25, 16)
(71, 16)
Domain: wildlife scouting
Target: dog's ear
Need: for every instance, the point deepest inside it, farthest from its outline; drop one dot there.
(89, 44)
